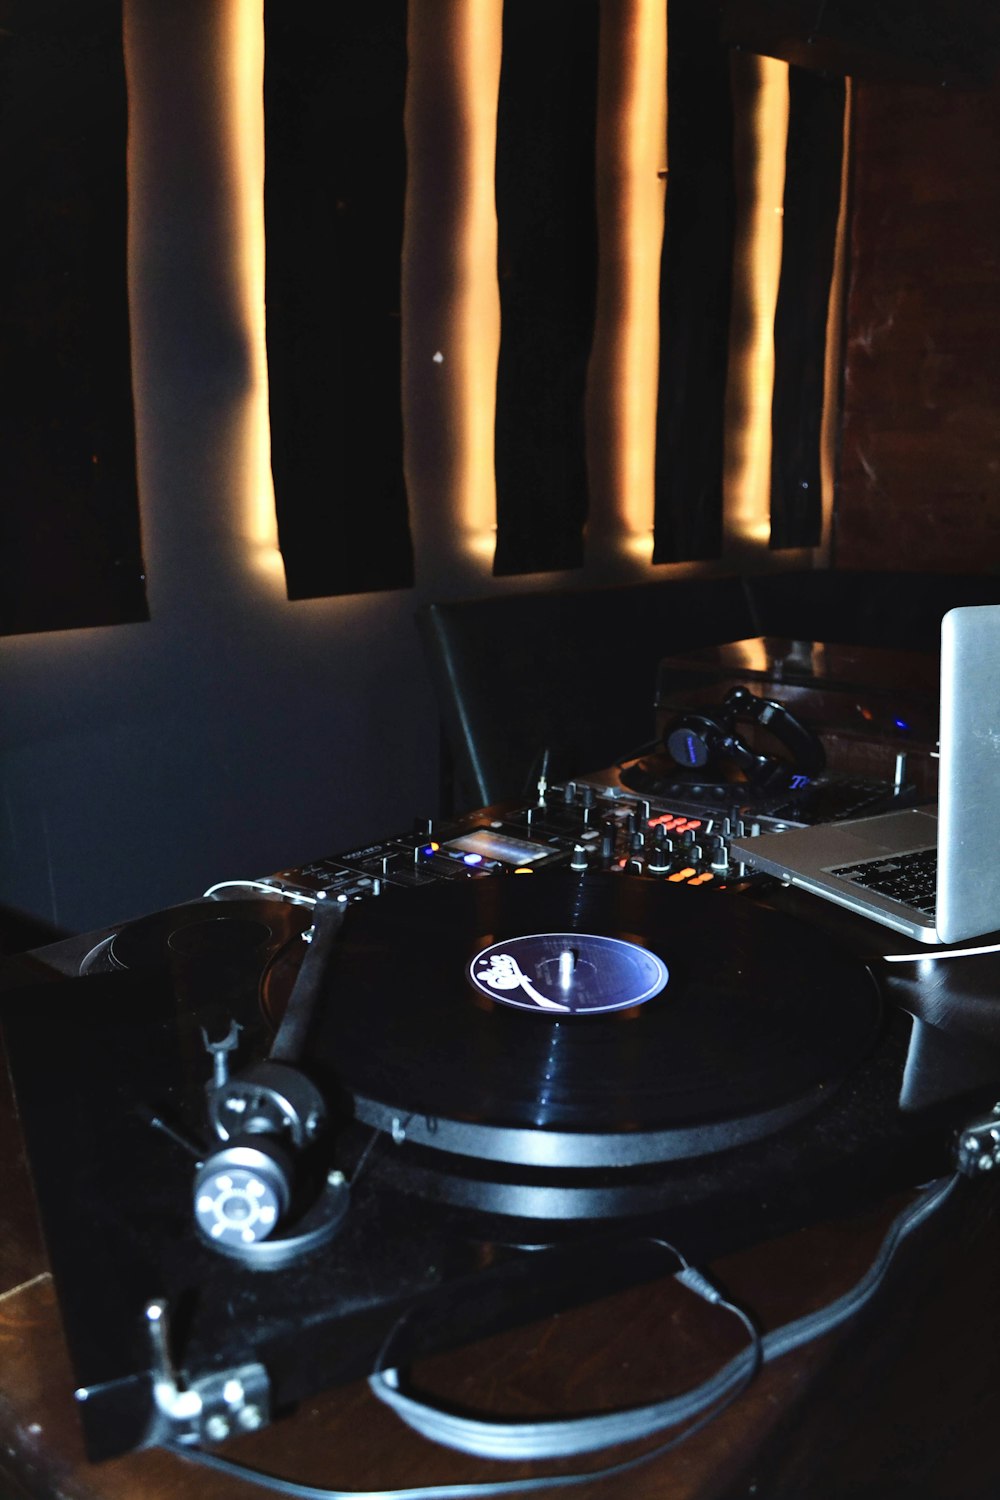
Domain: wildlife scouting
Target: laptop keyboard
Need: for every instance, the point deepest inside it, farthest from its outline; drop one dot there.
(909, 878)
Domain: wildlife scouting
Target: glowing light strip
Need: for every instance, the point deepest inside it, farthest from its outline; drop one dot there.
(472, 327)
(242, 111)
(641, 143)
(748, 472)
(630, 183)
(476, 326)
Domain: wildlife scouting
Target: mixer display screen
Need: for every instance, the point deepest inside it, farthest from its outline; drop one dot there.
(487, 843)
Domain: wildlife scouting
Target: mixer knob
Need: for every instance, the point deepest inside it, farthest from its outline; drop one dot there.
(718, 853)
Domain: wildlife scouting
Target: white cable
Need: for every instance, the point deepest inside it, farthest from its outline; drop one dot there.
(297, 898)
(912, 958)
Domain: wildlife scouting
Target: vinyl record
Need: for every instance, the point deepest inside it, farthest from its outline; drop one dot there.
(737, 1019)
(208, 934)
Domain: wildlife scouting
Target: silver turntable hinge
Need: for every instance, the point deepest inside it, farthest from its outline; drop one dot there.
(978, 1147)
(206, 1410)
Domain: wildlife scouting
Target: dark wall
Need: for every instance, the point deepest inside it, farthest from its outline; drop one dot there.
(919, 482)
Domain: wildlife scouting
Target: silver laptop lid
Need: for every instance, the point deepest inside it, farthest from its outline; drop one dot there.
(968, 897)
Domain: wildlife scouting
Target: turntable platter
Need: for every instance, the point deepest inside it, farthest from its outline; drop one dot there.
(737, 1019)
(207, 933)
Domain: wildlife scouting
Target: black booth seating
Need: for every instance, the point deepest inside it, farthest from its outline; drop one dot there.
(574, 671)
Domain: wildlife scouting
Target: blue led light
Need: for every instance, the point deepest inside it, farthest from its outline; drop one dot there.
(901, 724)
(472, 859)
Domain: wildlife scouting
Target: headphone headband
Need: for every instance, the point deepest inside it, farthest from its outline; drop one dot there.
(702, 738)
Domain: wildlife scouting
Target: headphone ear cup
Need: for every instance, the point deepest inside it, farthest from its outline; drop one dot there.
(694, 740)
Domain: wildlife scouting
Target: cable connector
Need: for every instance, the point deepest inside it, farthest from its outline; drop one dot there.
(978, 1148)
(697, 1281)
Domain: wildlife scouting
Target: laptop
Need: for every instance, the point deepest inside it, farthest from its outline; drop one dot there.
(930, 872)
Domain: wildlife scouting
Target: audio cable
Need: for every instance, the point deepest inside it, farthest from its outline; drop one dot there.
(564, 1437)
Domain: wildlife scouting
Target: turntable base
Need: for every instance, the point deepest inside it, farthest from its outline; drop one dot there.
(908, 1382)
(506, 1162)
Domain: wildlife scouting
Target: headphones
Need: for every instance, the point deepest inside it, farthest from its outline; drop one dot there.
(709, 738)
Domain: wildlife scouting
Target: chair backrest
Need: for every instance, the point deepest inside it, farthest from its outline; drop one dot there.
(572, 672)
(864, 607)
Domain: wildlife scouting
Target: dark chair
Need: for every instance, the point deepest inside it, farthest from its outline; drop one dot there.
(570, 672)
(858, 607)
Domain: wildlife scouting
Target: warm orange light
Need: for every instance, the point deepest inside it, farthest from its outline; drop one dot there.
(453, 335)
(757, 262)
(475, 331)
(451, 304)
(640, 145)
(195, 175)
(749, 656)
(242, 111)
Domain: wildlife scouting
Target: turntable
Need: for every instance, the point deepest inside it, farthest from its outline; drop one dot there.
(434, 1088)
(456, 1108)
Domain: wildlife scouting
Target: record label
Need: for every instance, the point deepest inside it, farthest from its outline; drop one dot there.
(568, 973)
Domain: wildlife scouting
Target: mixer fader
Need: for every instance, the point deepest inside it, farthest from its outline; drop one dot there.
(587, 824)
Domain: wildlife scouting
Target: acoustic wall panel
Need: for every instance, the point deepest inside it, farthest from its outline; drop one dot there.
(706, 293)
(70, 546)
(334, 188)
(695, 288)
(547, 269)
(813, 168)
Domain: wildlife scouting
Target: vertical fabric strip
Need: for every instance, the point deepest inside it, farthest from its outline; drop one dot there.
(70, 546)
(695, 288)
(335, 182)
(547, 269)
(813, 166)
